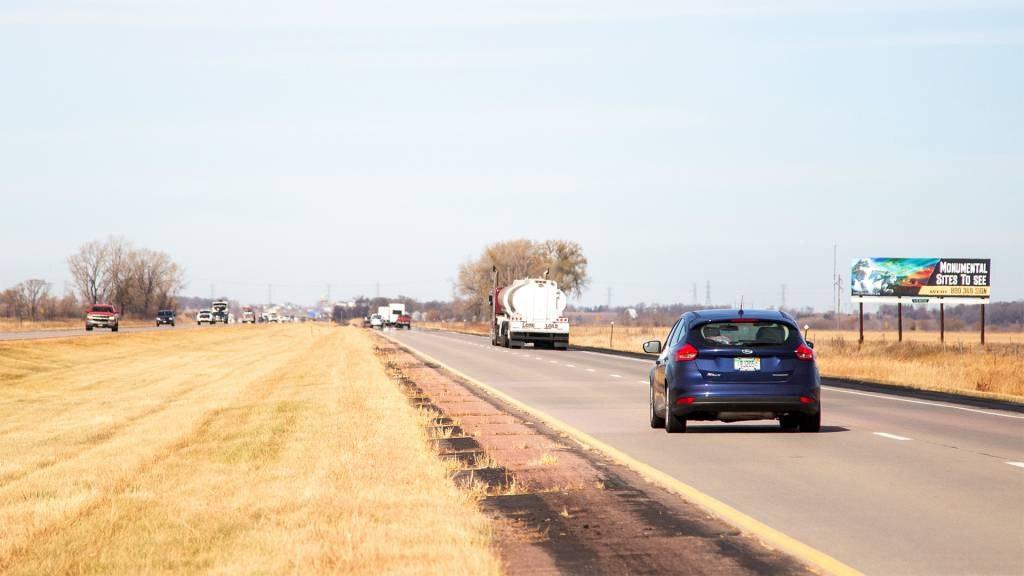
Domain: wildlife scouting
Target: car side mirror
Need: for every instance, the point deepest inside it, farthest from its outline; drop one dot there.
(652, 347)
(810, 344)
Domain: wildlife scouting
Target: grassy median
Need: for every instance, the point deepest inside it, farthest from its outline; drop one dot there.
(266, 449)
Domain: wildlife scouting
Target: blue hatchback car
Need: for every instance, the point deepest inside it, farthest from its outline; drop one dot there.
(734, 365)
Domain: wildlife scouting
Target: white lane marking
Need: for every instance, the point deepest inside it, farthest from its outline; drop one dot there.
(553, 361)
(591, 370)
(896, 399)
(537, 358)
(891, 436)
(643, 382)
(615, 376)
(1017, 464)
(617, 356)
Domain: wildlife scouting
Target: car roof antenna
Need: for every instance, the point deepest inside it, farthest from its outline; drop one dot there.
(741, 305)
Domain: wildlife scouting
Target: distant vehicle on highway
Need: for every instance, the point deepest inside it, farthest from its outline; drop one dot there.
(404, 321)
(102, 316)
(395, 310)
(204, 316)
(734, 365)
(248, 315)
(220, 311)
(165, 317)
(377, 321)
(366, 321)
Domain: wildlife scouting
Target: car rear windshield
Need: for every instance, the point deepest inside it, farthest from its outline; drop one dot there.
(106, 309)
(739, 334)
(166, 312)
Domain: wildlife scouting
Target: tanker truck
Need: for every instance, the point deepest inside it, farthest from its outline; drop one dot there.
(529, 310)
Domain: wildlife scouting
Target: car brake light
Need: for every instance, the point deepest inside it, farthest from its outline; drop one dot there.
(806, 400)
(685, 400)
(686, 353)
(803, 352)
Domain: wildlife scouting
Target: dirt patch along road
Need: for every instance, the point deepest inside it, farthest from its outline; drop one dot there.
(285, 449)
(559, 508)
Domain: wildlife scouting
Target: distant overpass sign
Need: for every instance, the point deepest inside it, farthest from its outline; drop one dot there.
(893, 280)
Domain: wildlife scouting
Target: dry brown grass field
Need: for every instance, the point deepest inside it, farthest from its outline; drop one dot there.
(962, 365)
(270, 449)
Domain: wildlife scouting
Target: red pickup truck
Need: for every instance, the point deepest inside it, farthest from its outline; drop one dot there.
(404, 321)
(101, 316)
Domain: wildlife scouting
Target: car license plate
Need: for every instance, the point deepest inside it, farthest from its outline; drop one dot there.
(747, 364)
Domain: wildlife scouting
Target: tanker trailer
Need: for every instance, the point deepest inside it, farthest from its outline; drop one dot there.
(529, 310)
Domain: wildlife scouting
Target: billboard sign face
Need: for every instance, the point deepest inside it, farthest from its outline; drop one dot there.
(964, 280)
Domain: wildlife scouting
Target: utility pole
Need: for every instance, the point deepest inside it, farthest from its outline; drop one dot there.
(211, 293)
(707, 294)
(378, 289)
(782, 303)
(695, 301)
(609, 306)
(270, 296)
(836, 281)
(328, 293)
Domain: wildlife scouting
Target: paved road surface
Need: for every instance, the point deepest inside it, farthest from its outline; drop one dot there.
(41, 334)
(892, 485)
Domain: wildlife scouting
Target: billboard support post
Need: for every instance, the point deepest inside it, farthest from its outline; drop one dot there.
(942, 322)
(861, 322)
(982, 324)
(899, 318)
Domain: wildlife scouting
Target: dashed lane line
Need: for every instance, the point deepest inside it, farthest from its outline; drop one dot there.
(892, 436)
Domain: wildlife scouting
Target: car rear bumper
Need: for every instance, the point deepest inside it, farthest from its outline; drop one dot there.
(531, 336)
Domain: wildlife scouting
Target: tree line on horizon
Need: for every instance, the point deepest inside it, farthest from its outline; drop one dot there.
(139, 281)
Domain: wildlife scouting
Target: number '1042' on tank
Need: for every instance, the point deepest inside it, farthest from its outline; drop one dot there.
(965, 280)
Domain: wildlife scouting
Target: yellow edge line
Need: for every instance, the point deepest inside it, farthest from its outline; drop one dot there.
(763, 532)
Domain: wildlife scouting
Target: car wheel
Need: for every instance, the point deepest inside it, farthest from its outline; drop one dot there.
(88, 328)
(673, 423)
(811, 423)
(789, 422)
(114, 329)
(656, 420)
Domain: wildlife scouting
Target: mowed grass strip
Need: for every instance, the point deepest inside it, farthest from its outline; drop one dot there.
(230, 450)
(962, 365)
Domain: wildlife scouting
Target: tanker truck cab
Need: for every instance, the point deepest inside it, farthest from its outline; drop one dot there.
(529, 310)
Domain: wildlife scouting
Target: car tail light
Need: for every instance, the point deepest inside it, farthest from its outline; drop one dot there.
(803, 352)
(685, 400)
(686, 353)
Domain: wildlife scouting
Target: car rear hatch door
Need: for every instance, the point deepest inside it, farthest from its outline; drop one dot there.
(746, 350)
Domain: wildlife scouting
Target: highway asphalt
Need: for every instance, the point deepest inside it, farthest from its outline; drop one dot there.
(892, 485)
(43, 334)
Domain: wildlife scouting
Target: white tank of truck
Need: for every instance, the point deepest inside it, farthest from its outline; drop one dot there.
(530, 310)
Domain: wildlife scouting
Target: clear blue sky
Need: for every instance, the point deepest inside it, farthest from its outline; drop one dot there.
(314, 142)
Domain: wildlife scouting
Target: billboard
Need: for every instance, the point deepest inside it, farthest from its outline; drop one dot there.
(965, 280)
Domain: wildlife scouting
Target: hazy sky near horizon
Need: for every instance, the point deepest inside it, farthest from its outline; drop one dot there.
(313, 142)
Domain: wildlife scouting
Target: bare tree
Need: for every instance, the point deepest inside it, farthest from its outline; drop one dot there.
(31, 292)
(562, 259)
(567, 265)
(138, 281)
(89, 269)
